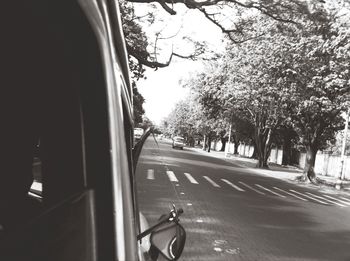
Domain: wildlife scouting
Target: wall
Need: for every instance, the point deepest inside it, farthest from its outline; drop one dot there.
(326, 164)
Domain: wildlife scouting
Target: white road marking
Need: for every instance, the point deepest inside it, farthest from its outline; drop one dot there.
(315, 199)
(150, 174)
(327, 200)
(171, 176)
(345, 199)
(291, 194)
(232, 185)
(211, 182)
(275, 193)
(339, 200)
(247, 186)
(182, 193)
(190, 178)
(37, 186)
(189, 204)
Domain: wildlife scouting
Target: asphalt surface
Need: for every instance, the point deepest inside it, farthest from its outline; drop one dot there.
(231, 213)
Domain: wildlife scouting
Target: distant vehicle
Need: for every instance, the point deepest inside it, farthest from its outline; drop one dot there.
(178, 142)
(138, 132)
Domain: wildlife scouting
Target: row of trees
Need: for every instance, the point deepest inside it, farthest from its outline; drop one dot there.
(230, 16)
(289, 85)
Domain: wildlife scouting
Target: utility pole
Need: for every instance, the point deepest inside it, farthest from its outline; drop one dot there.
(342, 158)
(227, 150)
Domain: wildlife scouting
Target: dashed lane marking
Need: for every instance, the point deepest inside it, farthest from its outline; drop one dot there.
(247, 186)
(190, 178)
(171, 176)
(327, 200)
(150, 174)
(307, 196)
(275, 193)
(212, 182)
(291, 194)
(232, 185)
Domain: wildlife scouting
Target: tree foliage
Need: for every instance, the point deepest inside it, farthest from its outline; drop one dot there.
(292, 76)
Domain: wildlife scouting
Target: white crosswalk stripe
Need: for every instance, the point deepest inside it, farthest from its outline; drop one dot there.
(291, 194)
(37, 186)
(212, 182)
(171, 176)
(304, 196)
(346, 199)
(247, 186)
(190, 178)
(325, 199)
(232, 185)
(307, 196)
(339, 200)
(275, 193)
(150, 174)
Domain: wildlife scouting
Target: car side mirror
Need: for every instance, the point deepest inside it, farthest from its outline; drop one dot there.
(169, 239)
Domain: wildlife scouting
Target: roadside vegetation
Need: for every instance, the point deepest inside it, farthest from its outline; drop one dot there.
(282, 80)
(290, 86)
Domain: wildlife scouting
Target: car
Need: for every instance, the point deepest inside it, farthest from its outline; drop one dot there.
(65, 82)
(178, 142)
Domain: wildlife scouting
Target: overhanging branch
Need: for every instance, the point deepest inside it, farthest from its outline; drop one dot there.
(269, 10)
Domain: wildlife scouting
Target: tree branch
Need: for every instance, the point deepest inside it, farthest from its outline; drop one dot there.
(166, 7)
(192, 4)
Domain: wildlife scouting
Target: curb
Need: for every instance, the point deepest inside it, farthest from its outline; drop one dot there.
(343, 185)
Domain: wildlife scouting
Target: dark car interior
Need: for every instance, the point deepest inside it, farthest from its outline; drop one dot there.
(53, 90)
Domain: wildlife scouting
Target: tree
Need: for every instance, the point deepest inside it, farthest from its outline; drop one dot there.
(290, 77)
(137, 105)
(231, 17)
(319, 93)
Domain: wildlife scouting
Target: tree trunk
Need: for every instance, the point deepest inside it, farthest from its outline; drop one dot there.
(287, 150)
(209, 143)
(255, 152)
(263, 141)
(223, 144)
(236, 142)
(204, 142)
(309, 173)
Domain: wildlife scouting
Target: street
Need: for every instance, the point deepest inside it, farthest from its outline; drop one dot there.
(231, 213)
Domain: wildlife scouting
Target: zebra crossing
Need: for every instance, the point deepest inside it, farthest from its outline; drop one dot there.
(240, 186)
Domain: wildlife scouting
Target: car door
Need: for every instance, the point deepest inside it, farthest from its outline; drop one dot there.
(79, 88)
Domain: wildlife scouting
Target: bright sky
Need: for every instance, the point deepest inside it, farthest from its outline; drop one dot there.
(161, 89)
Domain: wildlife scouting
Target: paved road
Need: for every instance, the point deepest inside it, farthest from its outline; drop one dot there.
(232, 214)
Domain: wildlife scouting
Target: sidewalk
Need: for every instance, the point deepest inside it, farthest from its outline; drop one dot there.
(287, 173)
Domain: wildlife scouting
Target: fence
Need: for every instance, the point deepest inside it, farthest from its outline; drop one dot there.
(326, 164)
